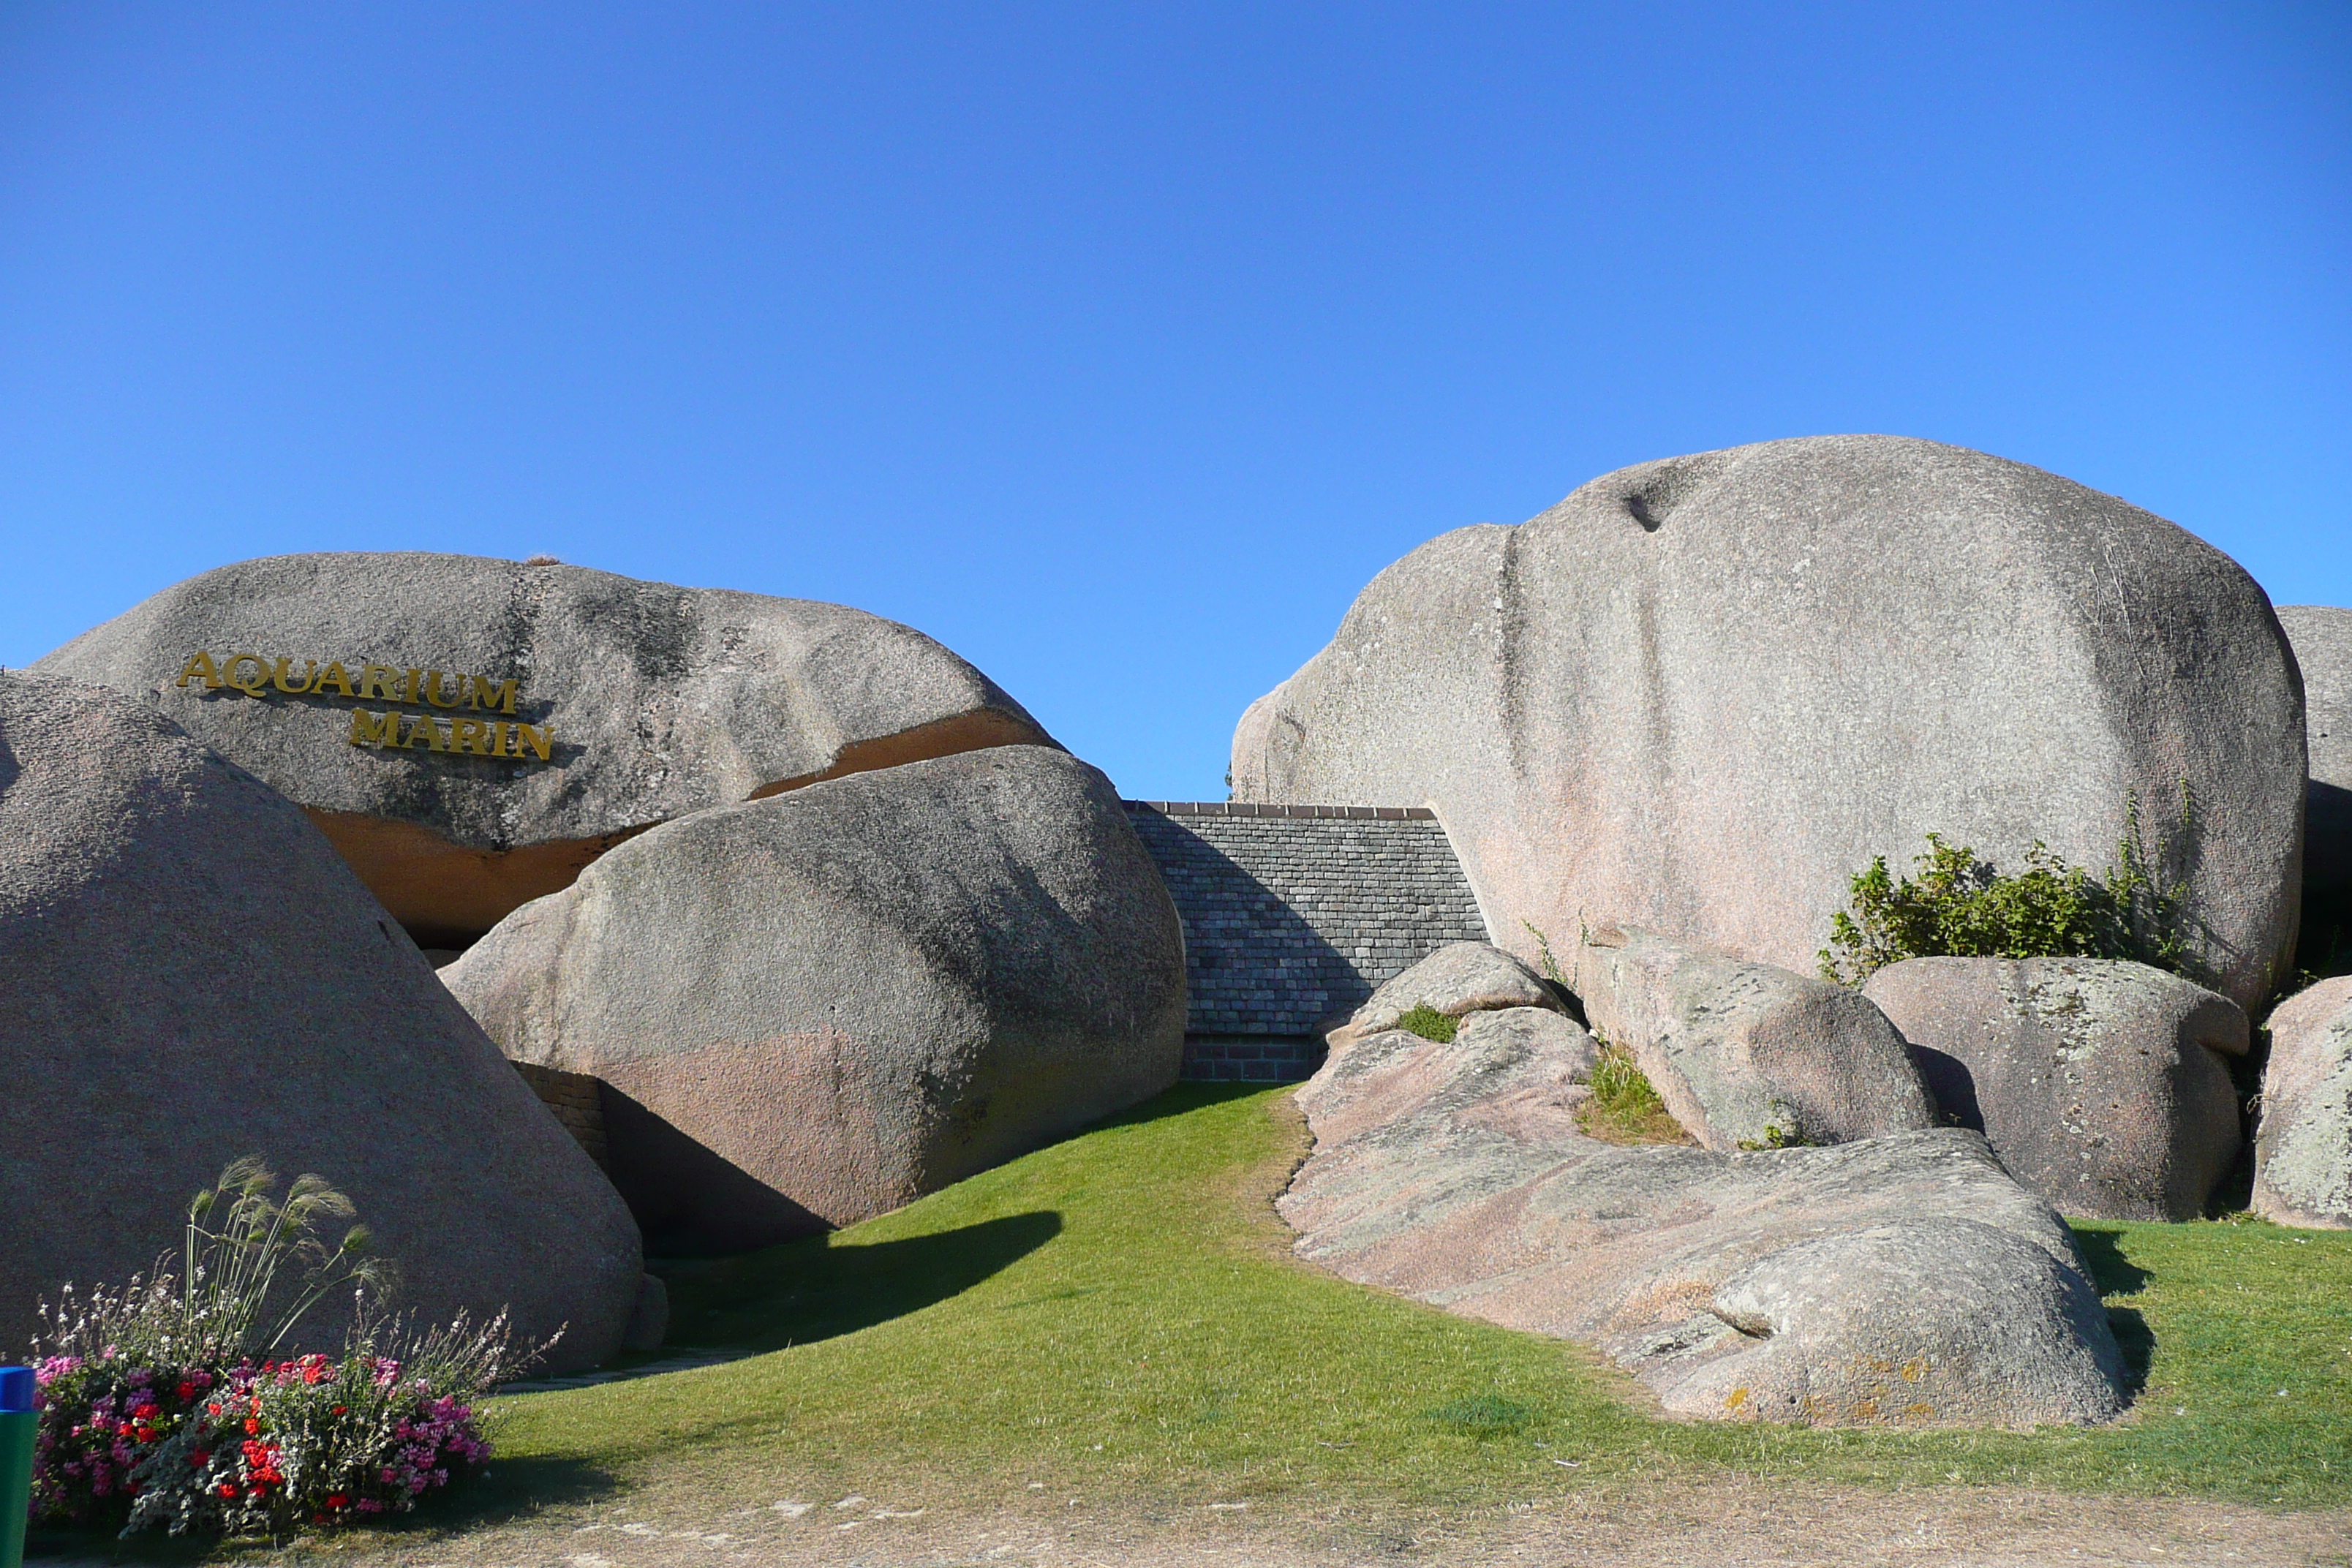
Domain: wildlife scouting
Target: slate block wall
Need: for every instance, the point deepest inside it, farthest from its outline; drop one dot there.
(1293, 914)
(574, 1100)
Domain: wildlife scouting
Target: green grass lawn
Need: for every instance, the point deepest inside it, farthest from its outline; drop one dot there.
(1120, 1313)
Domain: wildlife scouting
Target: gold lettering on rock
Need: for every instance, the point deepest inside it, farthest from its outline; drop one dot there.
(253, 675)
(499, 698)
(377, 730)
(260, 673)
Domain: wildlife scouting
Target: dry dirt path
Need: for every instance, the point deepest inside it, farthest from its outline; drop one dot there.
(1767, 1525)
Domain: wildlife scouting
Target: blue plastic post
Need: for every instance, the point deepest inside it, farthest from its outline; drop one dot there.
(20, 1413)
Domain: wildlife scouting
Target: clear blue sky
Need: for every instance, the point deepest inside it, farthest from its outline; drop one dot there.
(1118, 346)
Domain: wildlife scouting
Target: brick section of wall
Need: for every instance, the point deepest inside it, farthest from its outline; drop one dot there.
(573, 1097)
(1251, 1058)
(1293, 914)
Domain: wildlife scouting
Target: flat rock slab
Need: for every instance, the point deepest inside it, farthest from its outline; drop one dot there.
(193, 975)
(2302, 1148)
(814, 1007)
(1747, 1054)
(1698, 696)
(1902, 1281)
(2099, 1084)
(644, 702)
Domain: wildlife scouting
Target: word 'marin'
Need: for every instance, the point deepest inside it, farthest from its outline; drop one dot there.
(475, 737)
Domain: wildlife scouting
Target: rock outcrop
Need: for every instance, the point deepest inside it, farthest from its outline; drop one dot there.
(2321, 637)
(1901, 1281)
(1532, 1030)
(192, 974)
(1458, 978)
(811, 1008)
(471, 733)
(2302, 1147)
(1699, 695)
(1749, 1055)
(2100, 1085)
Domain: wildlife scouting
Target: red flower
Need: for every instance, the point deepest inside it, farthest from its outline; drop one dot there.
(337, 1499)
(251, 1425)
(228, 1488)
(188, 1392)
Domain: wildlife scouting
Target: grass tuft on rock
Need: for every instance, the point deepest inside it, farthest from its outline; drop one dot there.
(1119, 1316)
(1625, 1107)
(1430, 1025)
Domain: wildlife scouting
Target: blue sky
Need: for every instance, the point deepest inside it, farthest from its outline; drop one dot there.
(1118, 346)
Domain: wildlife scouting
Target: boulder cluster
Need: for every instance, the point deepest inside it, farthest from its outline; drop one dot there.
(1667, 723)
(811, 911)
(792, 915)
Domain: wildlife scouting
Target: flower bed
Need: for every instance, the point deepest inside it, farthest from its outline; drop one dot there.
(166, 1404)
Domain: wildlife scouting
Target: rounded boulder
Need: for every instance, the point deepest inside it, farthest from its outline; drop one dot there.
(193, 975)
(1699, 695)
(811, 1008)
(2100, 1085)
(471, 733)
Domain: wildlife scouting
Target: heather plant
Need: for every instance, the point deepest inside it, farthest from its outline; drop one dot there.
(1958, 906)
(164, 1401)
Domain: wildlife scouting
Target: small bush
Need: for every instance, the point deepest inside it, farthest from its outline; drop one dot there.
(1430, 1025)
(1960, 907)
(163, 1402)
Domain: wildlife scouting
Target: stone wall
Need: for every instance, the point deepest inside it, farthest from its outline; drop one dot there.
(574, 1098)
(1293, 914)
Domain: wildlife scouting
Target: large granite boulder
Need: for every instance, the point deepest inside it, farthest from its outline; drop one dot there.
(813, 1007)
(1699, 695)
(193, 975)
(2321, 637)
(2100, 1085)
(2303, 1146)
(1747, 1054)
(1896, 1281)
(471, 733)
(1458, 978)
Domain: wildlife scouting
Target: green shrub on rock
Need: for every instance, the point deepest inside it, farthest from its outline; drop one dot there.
(1960, 907)
(1430, 1024)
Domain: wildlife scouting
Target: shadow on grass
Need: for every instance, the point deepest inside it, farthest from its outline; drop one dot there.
(2116, 1275)
(815, 1288)
(1181, 1100)
(510, 1490)
(2111, 1271)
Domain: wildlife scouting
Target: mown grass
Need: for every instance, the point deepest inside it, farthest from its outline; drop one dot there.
(1118, 1314)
